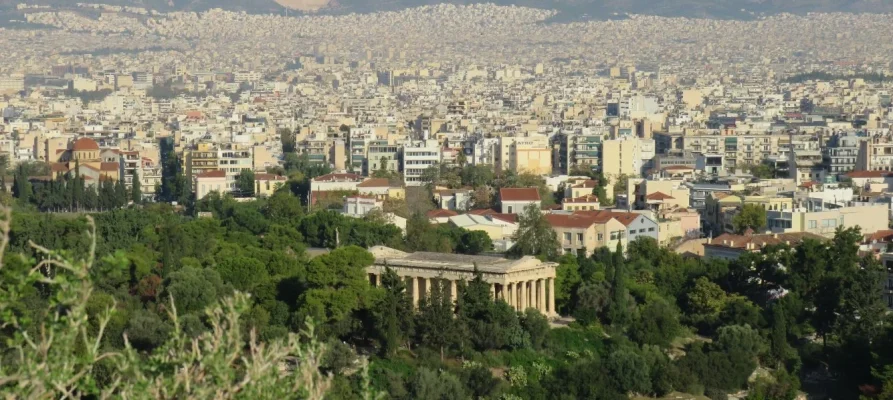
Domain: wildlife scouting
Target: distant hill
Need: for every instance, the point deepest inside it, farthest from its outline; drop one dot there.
(570, 9)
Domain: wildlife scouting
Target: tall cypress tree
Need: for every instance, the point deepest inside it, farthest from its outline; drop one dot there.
(120, 194)
(136, 193)
(618, 311)
(22, 187)
(391, 314)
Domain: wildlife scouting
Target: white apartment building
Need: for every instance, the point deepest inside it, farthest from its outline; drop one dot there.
(9, 84)
(417, 157)
(233, 159)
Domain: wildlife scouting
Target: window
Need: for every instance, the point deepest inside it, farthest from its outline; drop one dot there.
(642, 230)
(614, 235)
(567, 236)
(650, 229)
(580, 238)
(510, 210)
(813, 224)
(601, 237)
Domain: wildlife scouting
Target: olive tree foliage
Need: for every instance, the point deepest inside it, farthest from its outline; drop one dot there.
(59, 355)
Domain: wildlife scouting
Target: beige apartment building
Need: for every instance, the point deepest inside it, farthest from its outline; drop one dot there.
(530, 154)
(624, 157)
(737, 149)
(870, 218)
(582, 233)
(875, 155)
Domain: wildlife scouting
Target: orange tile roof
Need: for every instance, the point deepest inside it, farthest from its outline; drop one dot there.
(733, 241)
(375, 182)
(660, 196)
(212, 174)
(869, 174)
(441, 213)
(589, 198)
(519, 194)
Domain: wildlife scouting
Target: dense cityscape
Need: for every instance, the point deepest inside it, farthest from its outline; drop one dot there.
(445, 202)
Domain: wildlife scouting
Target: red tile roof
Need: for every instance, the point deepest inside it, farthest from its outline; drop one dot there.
(268, 177)
(109, 166)
(375, 182)
(570, 220)
(732, 241)
(84, 144)
(587, 184)
(510, 218)
(589, 198)
(212, 174)
(441, 213)
(483, 211)
(885, 235)
(338, 177)
(519, 194)
(659, 196)
(869, 174)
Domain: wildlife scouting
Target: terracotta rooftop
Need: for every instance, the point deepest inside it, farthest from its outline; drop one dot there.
(869, 174)
(85, 144)
(589, 198)
(519, 194)
(441, 213)
(659, 196)
(338, 177)
(212, 174)
(510, 218)
(587, 184)
(268, 177)
(375, 182)
(756, 242)
(885, 235)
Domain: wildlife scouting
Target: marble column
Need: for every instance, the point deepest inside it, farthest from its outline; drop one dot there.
(508, 294)
(454, 291)
(415, 290)
(523, 304)
(427, 290)
(493, 291)
(552, 311)
(541, 298)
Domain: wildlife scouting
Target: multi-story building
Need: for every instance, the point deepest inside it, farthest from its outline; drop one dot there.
(814, 218)
(840, 154)
(530, 154)
(382, 155)
(417, 157)
(234, 158)
(203, 158)
(805, 163)
(625, 156)
(578, 151)
(875, 154)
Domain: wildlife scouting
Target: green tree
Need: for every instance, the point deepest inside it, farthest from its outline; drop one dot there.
(437, 386)
(287, 137)
(629, 371)
(474, 242)
(194, 289)
(435, 325)
(657, 324)
(619, 308)
(136, 193)
(567, 282)
(245, 183)
(391, 313)
(535, 235)
(536, 325)
(336, 286)
(21, 186)
(751, 216)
